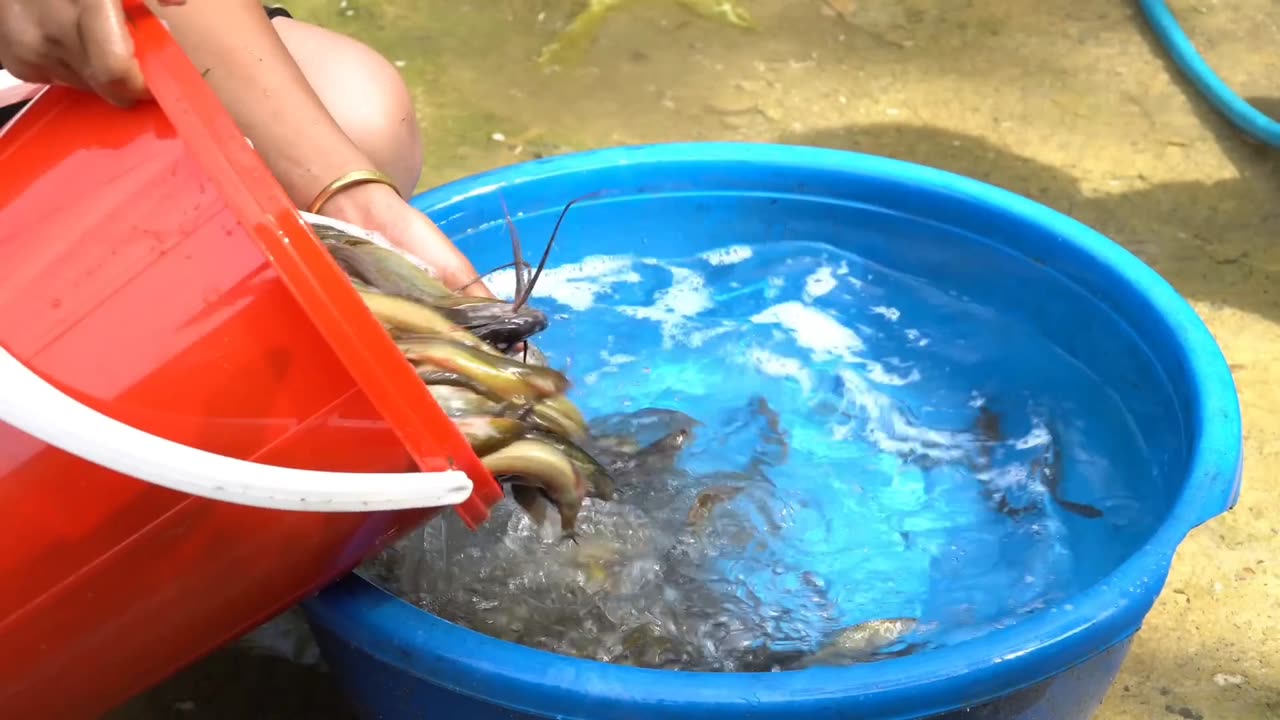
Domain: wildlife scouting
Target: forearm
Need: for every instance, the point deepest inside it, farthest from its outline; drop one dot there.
(246, 63)
(243, 59)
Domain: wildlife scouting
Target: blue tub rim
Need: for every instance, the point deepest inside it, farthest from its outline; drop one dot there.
(1035, 648)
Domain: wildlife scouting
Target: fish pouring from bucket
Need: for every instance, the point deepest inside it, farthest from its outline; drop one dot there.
(817, 461)
(473, 355)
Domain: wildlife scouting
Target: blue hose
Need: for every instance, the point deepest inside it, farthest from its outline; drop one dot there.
(1245, 116)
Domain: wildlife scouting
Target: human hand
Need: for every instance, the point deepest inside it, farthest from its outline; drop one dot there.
(84, 44)
(379, 208)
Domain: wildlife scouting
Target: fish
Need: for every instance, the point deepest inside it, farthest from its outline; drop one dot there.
(538, 465)
(861, 642)
(374, 269)
(459, 401)
(529, 354)
(1049, 468)
(660, 453)
(460, 396)
(492, 320)
(647, 646)
(434, 376)
(465, 302)
(333, 236)
(487, 435)
(365, 287)
(614, 440)
(512, 329)
(987, 428)
(600, 483)
(774, 422)
(407, 320)
(613, 447)
(514, 414)
(532, 501)
(708, 500)
(390, 273)
(557, 415)
(638, 423)
(501, 377)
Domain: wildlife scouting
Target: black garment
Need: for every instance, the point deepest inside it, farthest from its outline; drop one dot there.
(7, 113)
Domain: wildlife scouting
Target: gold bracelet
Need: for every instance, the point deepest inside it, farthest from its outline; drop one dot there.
(355, 177)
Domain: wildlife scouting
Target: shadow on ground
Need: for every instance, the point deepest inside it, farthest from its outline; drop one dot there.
(1217, 242)
(237, 682)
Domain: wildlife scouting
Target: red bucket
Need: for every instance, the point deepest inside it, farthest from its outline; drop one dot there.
(155, 272)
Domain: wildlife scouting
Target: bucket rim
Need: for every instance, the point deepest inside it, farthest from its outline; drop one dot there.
(1034, 648)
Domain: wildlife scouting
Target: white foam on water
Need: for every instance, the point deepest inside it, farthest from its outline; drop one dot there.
(574, 285)
(892, 314)
(889, 520)
(819, 283)
(775, 287)
(1039, 435)
(877, 418)
(731, 255)
(813, 330)
(698, 338)
(672, 308)
(775, 365)
(612, 363)
(915, 336)
(877, 373)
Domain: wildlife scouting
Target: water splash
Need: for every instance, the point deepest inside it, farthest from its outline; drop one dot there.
(847, 445)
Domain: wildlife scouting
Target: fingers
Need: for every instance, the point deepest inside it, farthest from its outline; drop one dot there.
(84, 44)
(458, 272)
(436, 249)
(380, 208)
(22, 44)
(479, 290)
(29, 61)
(109, 67)
(62, 74)
(24, 71)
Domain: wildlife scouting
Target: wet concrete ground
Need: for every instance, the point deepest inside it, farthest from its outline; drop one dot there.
(1071, 104)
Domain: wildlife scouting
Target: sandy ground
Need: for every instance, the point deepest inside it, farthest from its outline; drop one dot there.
(1071, 104)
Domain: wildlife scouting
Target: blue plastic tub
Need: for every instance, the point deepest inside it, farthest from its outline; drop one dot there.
(1099, 304)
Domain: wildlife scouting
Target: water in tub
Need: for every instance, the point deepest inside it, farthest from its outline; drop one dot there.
(867, 448)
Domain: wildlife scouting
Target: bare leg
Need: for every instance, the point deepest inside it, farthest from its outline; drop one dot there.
(365, 95)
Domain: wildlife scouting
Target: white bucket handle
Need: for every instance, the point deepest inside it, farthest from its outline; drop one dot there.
(34, 406)
(13, 90)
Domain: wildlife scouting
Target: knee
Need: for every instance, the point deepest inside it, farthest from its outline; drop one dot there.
(365, 95)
